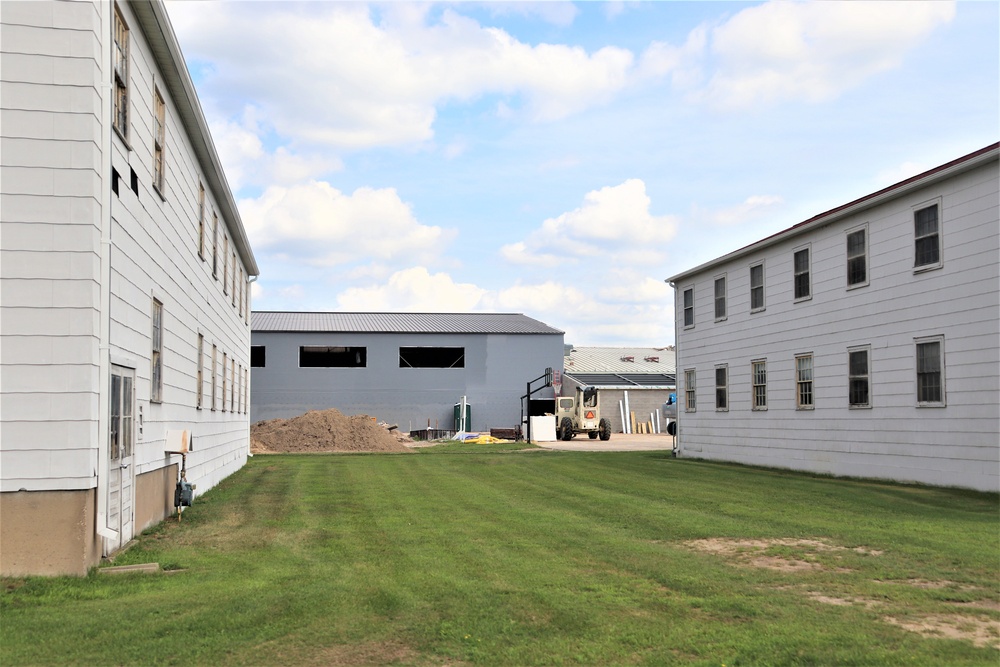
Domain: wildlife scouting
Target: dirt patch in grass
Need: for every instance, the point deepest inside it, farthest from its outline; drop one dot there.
(933, 585)
(325, 431)
(980, 631)
(761, 553)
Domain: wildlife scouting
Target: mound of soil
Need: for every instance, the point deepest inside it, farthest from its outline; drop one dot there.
(324, 431)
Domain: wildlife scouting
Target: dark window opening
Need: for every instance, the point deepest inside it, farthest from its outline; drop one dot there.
(432, 357)
(314, 356)
(258, 357)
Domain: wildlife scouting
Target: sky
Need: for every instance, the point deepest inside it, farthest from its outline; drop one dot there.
(562, 160)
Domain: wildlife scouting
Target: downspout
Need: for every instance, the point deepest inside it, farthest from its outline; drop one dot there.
(104, 352)
(250, 281)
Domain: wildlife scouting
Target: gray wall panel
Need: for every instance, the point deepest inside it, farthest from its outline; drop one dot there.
(497, 368)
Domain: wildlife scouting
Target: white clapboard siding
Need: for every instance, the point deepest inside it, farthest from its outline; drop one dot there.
(952, 445)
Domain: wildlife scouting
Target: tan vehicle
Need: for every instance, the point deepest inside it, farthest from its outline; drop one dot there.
(581, 414)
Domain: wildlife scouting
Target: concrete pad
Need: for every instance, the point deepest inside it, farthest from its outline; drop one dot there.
(619, 442)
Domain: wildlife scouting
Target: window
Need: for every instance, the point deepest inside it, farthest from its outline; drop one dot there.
(722, 388)
(930, 372)
(241, 292)
(927, 239)
(804, 382)
(201, 221)
(232, 384)
(859, 377)
(689, 307)
(246, 389)
(225, 377)
(758, 370)
(318, 356)
(225, 263)
(857, 258)
(689, 391)
(234, 276)
(200, 391)
(803, 285)
(432, 357)
(159, 139)
(120, 120)
(156, 390)
(215, 245)
(757, 287)
(720, 298)
(258, 357)
(215, 374)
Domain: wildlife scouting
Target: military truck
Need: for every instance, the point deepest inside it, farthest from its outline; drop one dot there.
(581, 414)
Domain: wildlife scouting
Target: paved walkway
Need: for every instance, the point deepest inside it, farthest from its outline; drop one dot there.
(619, 442)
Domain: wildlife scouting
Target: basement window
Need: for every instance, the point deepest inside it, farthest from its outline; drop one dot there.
(432, 357)
(316, 356)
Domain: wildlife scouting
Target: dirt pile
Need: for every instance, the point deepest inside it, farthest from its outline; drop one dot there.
(324, 431)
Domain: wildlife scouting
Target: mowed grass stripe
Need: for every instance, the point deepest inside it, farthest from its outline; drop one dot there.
(540, 558)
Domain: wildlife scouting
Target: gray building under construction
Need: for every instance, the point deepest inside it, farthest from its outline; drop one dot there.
(410, 369)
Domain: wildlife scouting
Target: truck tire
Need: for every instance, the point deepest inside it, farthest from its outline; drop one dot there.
(605, 428)
(592, 435)
(566, 429)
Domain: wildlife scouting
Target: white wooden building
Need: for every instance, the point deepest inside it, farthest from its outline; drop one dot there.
(864, 341)
(125, 284)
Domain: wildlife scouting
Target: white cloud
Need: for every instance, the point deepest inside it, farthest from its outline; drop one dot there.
(899, 173)
(812, 51)
(613, 220)
(414, 290)
(338, 76)
(750, 209)
(316, 224)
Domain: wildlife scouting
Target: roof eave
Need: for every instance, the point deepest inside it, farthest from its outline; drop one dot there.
(155, 25)
(895, 191)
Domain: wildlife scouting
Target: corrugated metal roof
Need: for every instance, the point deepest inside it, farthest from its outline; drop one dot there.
(625, 380)
(477, 323)
(621, 360)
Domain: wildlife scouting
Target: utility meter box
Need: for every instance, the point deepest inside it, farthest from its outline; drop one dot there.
(183, 494)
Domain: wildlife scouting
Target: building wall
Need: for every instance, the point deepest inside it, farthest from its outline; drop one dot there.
(497, 369)
(894, 439)
(51, 316)
(50, 268)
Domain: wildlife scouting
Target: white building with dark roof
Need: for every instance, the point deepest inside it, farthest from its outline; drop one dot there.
(864, 341)
(633, 381)
(125, 269)
(410, 369)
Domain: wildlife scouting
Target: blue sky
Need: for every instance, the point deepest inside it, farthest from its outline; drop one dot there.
(560, 159)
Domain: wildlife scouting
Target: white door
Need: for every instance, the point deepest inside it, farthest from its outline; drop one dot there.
(121, 473)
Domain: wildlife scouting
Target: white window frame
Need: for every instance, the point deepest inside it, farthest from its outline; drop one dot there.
(159, 141)
(807, 272)
(803, 385)
(851, 376)
(215, 245)
(722, 406)
(917, 342)
(690, 390)
(866, 255)
(200, 391)
(930, 266)
(761, 287)
(215, 375)
(720, 299)
(685, 307)
(201, 220)
(156, 353)
(120, 66)
(758, 384)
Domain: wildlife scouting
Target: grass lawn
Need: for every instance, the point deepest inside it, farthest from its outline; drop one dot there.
(469, 555)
